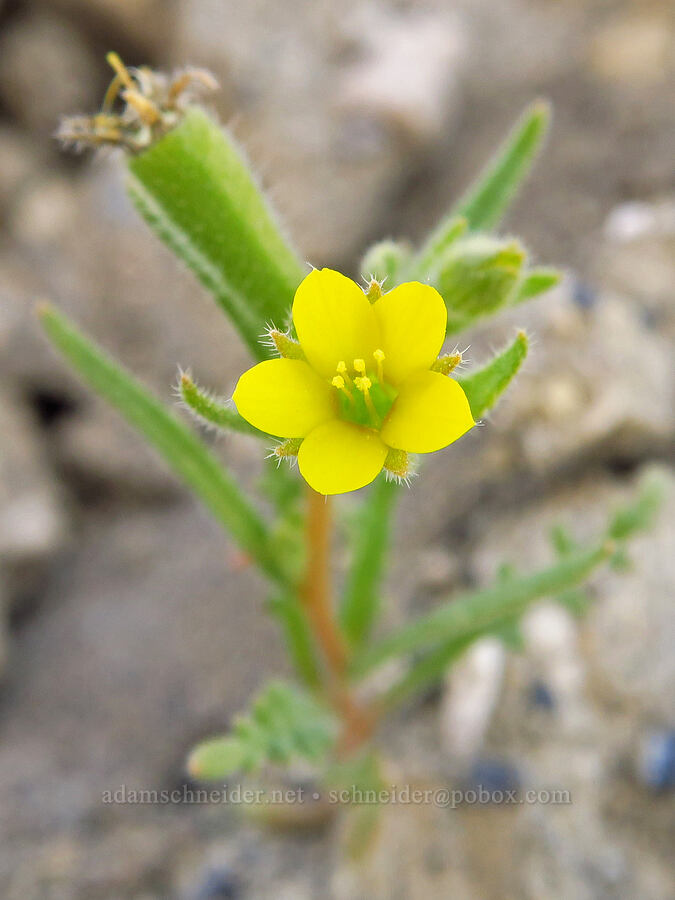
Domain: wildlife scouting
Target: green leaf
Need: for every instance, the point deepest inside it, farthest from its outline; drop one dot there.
(181, 449)
(640, 514)
(576, 600)
(426, 672)
(562, 541)
(211, 411)
(297, 634)
(535, 281)
(475, 614)
(217, 758)
(483, 388)
(196, 191)
(370, 543)
(487, 200)
(285, 723)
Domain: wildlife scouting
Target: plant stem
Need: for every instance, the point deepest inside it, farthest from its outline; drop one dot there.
(316, 597)
(316, 588)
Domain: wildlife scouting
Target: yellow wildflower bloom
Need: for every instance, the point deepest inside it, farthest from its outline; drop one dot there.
(365, 386)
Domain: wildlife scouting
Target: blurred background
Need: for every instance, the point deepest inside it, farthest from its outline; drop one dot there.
(127, 628)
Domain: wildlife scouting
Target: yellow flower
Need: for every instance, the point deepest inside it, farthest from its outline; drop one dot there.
(365, 388)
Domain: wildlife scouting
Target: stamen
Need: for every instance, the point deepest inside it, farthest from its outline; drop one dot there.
(145, 108)
(116, 63)
(342, 370)
(378, 356)
(360, 366)
(339, 383)
(364, 385)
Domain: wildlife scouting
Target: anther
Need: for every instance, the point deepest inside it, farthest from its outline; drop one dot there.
(339, 383)
(342, 370)
(360, 366)
(378, 356)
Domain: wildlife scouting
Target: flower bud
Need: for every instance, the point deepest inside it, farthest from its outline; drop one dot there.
(477, 277)
(385, 262)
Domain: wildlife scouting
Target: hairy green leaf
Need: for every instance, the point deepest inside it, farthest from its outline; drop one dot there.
(488, 198)
(483, 388)
(480, 612)
(181, 449)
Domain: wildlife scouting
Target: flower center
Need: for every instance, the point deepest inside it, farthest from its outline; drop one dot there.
(363, 396)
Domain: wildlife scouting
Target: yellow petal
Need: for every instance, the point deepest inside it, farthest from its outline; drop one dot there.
(284, 397)
(334, 321)
(412, 320)
(338, 457)
(430, 412)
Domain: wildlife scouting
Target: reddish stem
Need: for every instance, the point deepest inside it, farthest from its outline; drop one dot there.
(316, 597)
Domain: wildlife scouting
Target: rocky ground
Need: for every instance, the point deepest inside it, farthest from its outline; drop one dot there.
(127, 631)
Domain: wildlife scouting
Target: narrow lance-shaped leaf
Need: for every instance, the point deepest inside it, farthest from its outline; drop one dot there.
(488, 198)
(448, 631)
(181, 449)
(425, 673)
(483, 388)
(479, 612)
(293, 620)
(484, 204)
(196, 191)
(214, 412)
(370, 542)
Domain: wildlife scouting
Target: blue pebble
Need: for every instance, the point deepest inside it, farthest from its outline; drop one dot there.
(584, 295)
(494, 775)
(656, 766)
(541, 695)
(218, 884)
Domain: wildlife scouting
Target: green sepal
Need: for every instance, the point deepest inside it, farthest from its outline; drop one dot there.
(534, 282)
